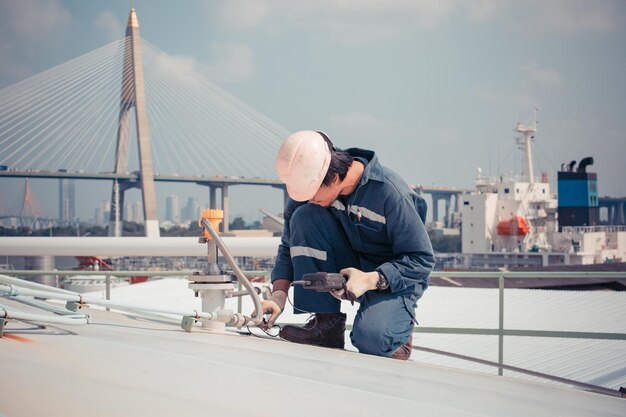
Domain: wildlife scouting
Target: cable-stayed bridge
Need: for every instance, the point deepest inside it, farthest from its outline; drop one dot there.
(131, 114)
(74, 121)
(29, 213)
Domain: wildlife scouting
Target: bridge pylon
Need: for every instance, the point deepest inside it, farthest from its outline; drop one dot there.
(133, 96)
(28, 213)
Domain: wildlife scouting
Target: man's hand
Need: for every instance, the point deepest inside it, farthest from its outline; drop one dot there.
(274, 306)
(359, 283)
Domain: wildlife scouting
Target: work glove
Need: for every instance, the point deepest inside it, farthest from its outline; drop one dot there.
(273, 306)
(358, 283)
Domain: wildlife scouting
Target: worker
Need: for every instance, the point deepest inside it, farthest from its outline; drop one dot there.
(346, 213)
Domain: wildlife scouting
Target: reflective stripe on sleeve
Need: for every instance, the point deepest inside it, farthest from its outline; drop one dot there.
(307, 251)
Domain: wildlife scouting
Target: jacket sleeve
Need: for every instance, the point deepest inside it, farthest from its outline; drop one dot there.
(283, 268)
(413, 258)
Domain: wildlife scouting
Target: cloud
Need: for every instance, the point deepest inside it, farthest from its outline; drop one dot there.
(544, 76)
(566, 17)
(34, 20)
(386, 16)
(24, 27)
(480, 10)
(232, 62)
(184, 69)
(348, 21)
(355, 121)
(357, 129)
(112, 26)
(371, 128)
(12, 65)
(364, 21)
(525, 101)
(239, 15)
(486, 92)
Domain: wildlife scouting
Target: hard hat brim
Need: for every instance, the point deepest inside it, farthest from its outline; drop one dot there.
(299, 194)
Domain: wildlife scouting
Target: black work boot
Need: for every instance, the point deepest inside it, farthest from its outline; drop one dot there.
(323, 329)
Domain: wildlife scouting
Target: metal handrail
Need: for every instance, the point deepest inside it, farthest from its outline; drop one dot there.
(501, 331)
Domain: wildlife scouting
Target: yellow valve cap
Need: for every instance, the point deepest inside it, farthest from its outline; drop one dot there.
(214, 217)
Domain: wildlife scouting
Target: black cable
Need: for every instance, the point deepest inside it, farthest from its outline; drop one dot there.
(299, 309)
(264, 331)
(276, 325)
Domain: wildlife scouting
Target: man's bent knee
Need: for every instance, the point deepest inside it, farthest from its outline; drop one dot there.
(382, 325)
(371, 341)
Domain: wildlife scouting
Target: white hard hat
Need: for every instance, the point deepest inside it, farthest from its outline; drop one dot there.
(302, 163)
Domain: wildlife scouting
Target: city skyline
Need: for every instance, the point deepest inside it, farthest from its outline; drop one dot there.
(174, 212)
(11, 200)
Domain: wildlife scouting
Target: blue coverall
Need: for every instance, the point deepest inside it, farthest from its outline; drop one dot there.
(380, 226)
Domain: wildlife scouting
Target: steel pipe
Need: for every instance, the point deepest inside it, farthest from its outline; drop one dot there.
(18, 315)
(256, 320)
(131, 246)
(226, 316)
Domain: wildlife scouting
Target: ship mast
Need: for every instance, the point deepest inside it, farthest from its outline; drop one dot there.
(529, 135)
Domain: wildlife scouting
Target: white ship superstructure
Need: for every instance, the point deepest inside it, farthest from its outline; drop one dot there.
(514, 221)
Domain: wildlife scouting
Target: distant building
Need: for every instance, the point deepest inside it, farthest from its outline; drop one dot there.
(67, 200)
(133, 212)
(128, 213)
(10, 223)
(191, 211)
(172, 209)
(102, 214)
(137, 210)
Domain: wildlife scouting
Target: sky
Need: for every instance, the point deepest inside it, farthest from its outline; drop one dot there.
(435, 87)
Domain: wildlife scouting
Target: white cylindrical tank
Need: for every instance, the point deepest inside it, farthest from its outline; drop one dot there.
(41, 263)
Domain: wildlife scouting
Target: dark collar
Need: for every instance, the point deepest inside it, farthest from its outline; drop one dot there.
(373, 169)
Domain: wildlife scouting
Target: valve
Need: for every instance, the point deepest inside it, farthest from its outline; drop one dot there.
(215, 217)
(212, 284)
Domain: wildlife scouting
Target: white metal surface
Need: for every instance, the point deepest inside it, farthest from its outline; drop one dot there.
(600, 362)
(133, 367)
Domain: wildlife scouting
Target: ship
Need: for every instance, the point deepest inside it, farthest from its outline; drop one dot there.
(518, 223)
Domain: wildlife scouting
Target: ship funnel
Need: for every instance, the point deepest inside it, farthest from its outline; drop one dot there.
(570, 166)
(582, 166)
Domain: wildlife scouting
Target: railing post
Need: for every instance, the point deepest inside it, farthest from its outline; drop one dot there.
(107, 290)
(239, 288)
(500, 322)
